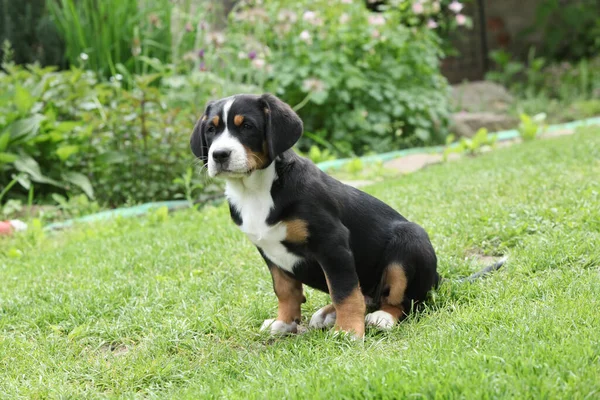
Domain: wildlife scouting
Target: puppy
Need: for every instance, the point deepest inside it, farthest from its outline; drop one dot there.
(308, 227)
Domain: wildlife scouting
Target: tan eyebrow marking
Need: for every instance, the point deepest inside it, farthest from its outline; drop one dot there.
(215, 120)
(238, 119)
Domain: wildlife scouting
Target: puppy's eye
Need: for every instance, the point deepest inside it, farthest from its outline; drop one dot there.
(211, 130)
(247, 126)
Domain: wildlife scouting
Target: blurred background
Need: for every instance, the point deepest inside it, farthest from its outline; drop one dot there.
(98, 97)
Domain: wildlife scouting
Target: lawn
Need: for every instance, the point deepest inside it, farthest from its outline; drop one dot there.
(170, 306)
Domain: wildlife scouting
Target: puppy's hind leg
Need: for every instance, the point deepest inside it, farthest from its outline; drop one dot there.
(391, 310)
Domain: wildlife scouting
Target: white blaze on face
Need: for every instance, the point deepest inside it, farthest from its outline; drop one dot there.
(238, 161)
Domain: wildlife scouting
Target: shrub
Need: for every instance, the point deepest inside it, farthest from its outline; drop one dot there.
(360, 80)
(67, 132)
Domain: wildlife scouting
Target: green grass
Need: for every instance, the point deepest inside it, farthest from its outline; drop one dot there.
(170, 307)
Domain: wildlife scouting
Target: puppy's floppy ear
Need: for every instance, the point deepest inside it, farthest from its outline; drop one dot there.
(283, 125)
(198, 139)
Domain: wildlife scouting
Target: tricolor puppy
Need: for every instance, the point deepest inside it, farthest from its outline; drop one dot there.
(310, 228)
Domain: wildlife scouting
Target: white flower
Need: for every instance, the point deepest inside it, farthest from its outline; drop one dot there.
(435, 7)
(456, 6)
(346, 1)
(344, 18)
(313, 85)
(305, 36)
(461, 19)
(84, 56)
(431, 24)
(119, 77)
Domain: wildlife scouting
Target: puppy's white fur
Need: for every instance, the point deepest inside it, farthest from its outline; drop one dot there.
(321, 320)
(380, 319)
(251, 197)
(278, 327)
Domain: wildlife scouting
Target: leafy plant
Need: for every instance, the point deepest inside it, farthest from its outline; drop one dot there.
(380, 89)
(470, 146)
(30, 133)
(68, 133)
(531, 127)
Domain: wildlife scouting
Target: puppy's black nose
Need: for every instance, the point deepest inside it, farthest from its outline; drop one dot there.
(221, 156)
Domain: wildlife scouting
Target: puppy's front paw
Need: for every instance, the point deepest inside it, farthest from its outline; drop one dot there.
(323, 318)
(276, 327)
(380, 319)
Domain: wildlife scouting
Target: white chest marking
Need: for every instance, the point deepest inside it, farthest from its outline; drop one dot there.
(251, 197)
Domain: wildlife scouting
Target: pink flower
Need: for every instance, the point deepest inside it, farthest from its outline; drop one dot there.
(456, 6)
(431, 24)
(305, 36)
(310, 17)
(461, 19)
(377, 19)
(375, 34)
(344, 18)
(258, 63)
(418, 7)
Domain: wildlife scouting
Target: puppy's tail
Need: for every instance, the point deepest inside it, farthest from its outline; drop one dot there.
(485, 271)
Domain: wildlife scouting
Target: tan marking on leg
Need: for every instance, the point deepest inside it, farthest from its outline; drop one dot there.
(395, 280)
(395, 311)
(297, 231)
(350, 313)
(216, 120)
(289, 294)
(238, 120)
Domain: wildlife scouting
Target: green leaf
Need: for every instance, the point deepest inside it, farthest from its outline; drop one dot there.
(29, 166)
(67, 126)
(111, 157)
(4, 138)
(80, 181)
(24, 128)
(23, 99)
(65, 152)
(6, 158)
(23, 180)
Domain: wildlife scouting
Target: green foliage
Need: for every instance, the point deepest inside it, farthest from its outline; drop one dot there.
(571, 30)
(380, 89)
(563, 91)
(66, 132)
(481, 141)
(33, 133)
(531, 127)
(112, 37)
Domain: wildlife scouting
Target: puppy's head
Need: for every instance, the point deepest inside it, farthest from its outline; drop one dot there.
(240, 134)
